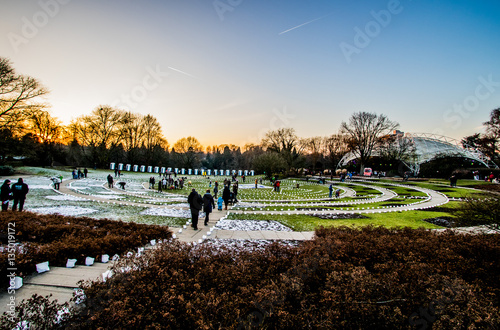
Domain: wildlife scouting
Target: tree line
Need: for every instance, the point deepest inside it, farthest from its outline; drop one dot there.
(109, 134)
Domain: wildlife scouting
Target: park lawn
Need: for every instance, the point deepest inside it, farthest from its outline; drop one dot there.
(450, 191)
(334, 205)
(300, 222)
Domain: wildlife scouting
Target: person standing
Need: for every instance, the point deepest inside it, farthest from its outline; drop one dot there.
(5, 195)
(208, 205)
(235, 191)
(195, 204)
(85, 172)
(110, 181)
(330, 189)
(226, 195)
(216, 189)
(19, 191)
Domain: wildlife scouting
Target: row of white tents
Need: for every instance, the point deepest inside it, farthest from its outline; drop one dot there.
(180, 171)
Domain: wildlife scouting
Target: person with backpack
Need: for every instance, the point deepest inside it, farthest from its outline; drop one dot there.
(19, 191)
(195, 205)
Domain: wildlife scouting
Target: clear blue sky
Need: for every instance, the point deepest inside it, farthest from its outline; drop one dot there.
(229, 70)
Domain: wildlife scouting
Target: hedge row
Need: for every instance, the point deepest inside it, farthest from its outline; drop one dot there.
(56, 238)
(344, 279)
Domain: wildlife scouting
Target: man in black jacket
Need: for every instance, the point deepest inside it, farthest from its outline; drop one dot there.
(19, 190)
(195, 204)
(208, 205)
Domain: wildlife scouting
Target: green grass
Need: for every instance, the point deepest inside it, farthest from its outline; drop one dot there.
(300, 222)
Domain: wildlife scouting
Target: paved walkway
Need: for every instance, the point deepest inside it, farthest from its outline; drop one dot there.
(61, 282)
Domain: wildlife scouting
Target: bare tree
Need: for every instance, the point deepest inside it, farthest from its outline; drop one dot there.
(18, 94)
(188, 150)
(363, 131)
(491, 139)
(285, 142)
(313, 147)
(395, 148)
(493, 125)
(153, 138)
(336, 146)
(100, 132)
(45, 127)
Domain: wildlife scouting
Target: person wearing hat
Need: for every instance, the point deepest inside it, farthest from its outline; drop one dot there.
(19, 190)
(6, 195)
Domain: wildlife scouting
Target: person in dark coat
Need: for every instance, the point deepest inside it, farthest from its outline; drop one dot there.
(208, 205)
(110, 181)
(5, 195)
(216, 189)
(19, 191)
(235, 191)
(195, 204)
(225, 196)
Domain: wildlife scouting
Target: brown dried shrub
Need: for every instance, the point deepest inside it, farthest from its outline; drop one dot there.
(56, 238)
(344, 279)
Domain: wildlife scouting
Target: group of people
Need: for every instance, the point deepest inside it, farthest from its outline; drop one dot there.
(167, 183)
(110, 180)
(207, 202)
(337, 192)
(16, 192)
(78, 174)
(197, 203)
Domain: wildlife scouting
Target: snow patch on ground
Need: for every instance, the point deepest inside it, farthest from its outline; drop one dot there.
(246, 245)
(251, 186)
(170, 213)
(36, 186)
(248, 204)
(64, 210)
(251, 225)
(66, 198)
(178, 199)
(180, 205)
(108, 196)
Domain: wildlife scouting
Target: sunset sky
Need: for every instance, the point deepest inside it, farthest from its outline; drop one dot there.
(226, 71)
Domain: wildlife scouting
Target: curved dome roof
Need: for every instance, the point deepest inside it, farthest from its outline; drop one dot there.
(427, 146)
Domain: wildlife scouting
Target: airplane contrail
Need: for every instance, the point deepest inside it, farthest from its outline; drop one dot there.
(187, 74)
(296, 27)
